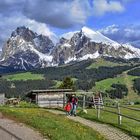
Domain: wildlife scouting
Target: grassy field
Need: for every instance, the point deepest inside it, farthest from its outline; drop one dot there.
(24, 76)
(56, 127)
(124, 78)
(128, 125)
(101, 62)
(106, 84)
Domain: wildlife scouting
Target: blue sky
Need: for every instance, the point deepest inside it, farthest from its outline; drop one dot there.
(117, 19)
(130, 15)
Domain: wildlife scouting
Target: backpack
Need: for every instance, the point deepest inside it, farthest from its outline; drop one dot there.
(74, 100)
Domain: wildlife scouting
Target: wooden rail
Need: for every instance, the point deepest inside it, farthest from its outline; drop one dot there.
(99, 107)
(120, 115)
(135, 109)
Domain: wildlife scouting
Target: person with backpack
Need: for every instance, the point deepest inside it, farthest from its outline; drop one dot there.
(74, 102)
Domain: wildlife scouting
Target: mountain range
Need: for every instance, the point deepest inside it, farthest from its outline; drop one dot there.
(26, 50)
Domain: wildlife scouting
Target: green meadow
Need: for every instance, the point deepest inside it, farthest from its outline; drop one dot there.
(123, 78)
(129, 126)
(24, 76)
(106, 84)
(54, 127)
(101, 62)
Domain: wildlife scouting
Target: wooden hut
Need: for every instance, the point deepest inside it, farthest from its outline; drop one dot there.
(48, 98)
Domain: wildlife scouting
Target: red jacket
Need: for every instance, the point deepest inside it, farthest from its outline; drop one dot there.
(68, 107)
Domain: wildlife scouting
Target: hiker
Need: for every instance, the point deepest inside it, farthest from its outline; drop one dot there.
(74, 101)
(68, 108)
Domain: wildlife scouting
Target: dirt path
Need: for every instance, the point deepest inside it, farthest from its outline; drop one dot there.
(110, 133)
(4, 135)
(10, 130)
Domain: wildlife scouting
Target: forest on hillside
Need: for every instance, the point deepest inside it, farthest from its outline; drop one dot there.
(85, 78)
(136, 72)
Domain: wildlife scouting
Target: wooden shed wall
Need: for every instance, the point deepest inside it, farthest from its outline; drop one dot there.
(50, 99)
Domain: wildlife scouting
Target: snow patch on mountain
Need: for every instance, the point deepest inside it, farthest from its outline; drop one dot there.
(22, 63)
(85, 57)
(44, 57)
(91, 56)
(97, 37)
(54, 38)
(135, 54)
(68, 35)
(129, 46)
(66, 45)
(70, 59)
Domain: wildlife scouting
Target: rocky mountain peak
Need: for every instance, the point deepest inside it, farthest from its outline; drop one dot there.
(24, 32)
(87, 30)
(26, 49)
(87, 43)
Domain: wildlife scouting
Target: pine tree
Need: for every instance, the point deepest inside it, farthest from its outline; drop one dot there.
(67, 83)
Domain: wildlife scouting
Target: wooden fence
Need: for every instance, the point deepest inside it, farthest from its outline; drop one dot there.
(101, 107)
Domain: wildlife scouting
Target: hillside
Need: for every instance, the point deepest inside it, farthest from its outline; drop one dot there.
(87, 75)
(124, 79)
(23, 76)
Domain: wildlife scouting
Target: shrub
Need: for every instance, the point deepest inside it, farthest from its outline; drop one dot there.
(24, 104)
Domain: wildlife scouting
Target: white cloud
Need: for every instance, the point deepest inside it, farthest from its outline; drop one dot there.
(38, 14)
(110, 29)
(8, 24)
(100, 7)
(123, 34)
(80, 10)
(61, 14)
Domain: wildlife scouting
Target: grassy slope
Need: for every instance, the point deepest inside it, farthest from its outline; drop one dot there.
(101, 85)
(101, 62)
(124, 78)
(56, 127)
(106, 84)
(24, 76)
(129, 126)
(129, 83)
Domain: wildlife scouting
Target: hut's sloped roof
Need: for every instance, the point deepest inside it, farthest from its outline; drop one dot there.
(34, 92)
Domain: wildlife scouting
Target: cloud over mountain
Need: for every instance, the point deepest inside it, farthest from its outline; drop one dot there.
(100, 7)
(123, 34)
(65, 13)
(58, 15)
(62, 13)
(7, 24)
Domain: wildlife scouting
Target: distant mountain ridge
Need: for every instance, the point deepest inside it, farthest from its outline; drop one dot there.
(26, 49)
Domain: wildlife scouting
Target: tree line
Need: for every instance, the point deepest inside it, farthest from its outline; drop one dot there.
(85, 78)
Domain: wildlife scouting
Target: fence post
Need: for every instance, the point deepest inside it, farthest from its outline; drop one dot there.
(119, 116)
(64, 99)
(98, 111)
(84, 99)
(49, 104)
